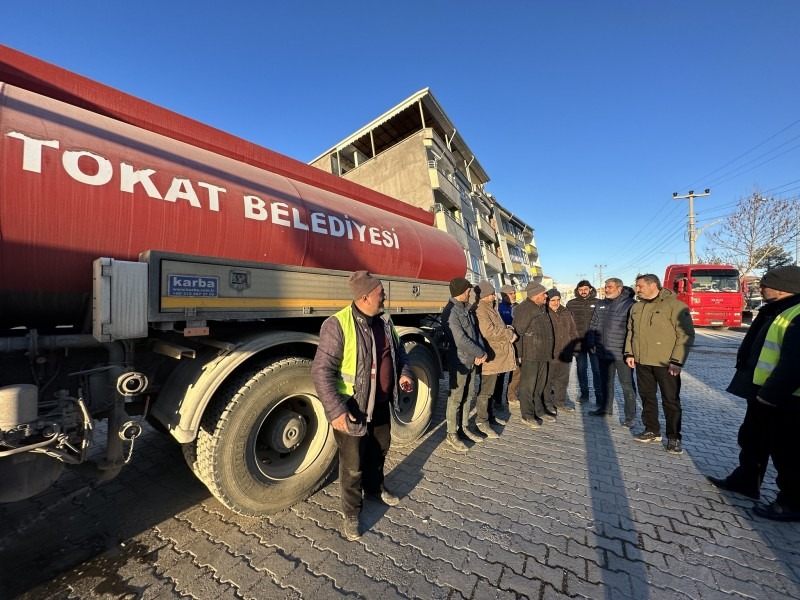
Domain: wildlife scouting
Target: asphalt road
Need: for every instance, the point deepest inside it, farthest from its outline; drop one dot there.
(575, 509)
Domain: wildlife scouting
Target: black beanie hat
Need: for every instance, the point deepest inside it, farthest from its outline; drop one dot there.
(783, 279)
(458, 286)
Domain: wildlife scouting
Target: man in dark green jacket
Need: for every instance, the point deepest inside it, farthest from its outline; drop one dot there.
(660, 333)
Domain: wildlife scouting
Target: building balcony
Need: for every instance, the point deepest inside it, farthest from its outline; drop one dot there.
(532, 250)
(447, 222)
(444, 188)
(485, 228)
(536, 271)
(491, 259)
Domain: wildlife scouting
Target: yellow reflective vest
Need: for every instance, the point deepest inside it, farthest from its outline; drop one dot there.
(345, 384)
(771, 350)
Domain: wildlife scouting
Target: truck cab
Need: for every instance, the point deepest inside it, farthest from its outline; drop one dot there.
(712, 293)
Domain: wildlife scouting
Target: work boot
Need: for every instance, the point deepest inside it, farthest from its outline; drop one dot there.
(384, 497)
(456, 443)
(351, 528)
(486, 430)
(475, 436)
(731, 485)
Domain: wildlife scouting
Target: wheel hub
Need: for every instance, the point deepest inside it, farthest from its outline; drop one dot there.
(287, 431)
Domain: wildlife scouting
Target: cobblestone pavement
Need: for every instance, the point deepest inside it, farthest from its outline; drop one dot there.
(575, 509)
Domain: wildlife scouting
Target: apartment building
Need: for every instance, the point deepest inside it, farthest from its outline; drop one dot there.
(413, 152)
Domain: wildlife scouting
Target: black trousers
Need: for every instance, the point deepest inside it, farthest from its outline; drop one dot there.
(650, 379)
(532, 385)
(770, 432)
(362, 459)
(559, 380)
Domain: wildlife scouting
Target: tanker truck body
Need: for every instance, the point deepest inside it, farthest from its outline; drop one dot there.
(152, 267)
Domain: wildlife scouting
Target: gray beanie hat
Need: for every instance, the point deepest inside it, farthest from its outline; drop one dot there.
(508, 289)
(486, 287)
(783, 279)
(362, 283)
(534, 288)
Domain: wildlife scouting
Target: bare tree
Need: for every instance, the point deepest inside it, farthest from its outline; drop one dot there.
(759, 228)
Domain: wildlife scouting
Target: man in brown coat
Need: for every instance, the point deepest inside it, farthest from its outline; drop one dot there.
(566, 334)
(498, 342)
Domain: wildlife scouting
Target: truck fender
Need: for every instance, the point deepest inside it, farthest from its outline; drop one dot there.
(186, 394)
(420, 335)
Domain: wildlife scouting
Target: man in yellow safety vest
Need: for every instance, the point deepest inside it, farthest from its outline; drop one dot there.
(359, 364)
(768, 376)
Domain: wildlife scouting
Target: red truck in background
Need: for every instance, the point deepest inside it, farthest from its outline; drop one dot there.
(712, 292)
(152, 267)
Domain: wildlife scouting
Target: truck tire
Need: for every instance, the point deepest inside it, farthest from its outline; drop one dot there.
(264, 442)
(415, 412)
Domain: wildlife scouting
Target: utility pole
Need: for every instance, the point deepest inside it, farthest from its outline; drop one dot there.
(692, 235)
(600, 274)
(580, 276)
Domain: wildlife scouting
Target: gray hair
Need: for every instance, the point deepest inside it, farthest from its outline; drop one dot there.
(615, 280)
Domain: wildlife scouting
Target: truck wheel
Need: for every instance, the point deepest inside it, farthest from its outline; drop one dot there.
(264, 442)
(416, 407)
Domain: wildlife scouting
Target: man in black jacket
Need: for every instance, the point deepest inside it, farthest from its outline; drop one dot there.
(582, 308)
(768, 377)
(535, 351)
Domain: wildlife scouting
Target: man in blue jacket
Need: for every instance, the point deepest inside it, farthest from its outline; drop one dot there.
(606, 339)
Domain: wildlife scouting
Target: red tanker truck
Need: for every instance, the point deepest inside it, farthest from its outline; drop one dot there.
(152, 267)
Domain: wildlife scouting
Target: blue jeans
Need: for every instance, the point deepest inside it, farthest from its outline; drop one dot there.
(582, 362)
(608, 369)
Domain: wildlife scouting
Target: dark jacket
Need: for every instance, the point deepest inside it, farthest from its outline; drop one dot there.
(660, 331)
(326, 369)
(535, 330)
(582, 310)
(785, 379)
(463, 337)
(609, 326)
(564, 332)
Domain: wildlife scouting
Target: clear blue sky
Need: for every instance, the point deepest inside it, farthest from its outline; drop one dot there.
(586, 115)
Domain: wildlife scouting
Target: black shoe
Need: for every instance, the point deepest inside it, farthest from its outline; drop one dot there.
(777, 511)
(456, 443)
(599, 412)
(566, 408)
(384, 497)
(351, 528)
(496, 421)
(674, 447)
(628, 423)
(584, 398)
(732, 486)
(647, 437)
(548, 418)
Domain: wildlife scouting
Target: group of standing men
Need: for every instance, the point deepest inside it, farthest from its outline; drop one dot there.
(360, 363)
(613, 335)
